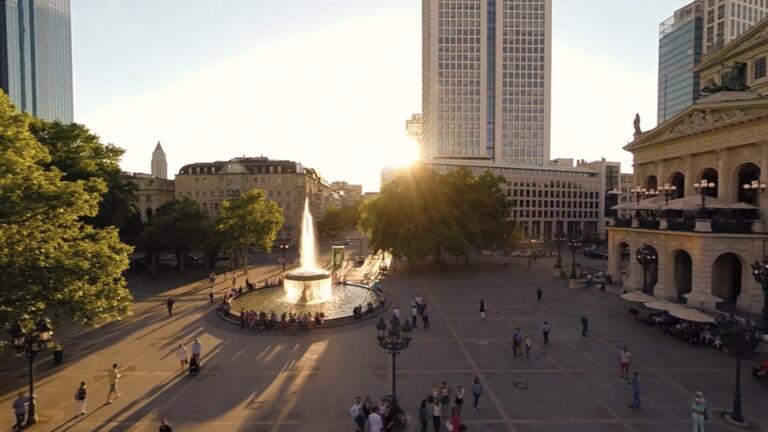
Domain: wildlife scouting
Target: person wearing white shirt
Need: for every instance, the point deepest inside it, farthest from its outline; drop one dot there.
(374, 420)
(181, 355)
(625, 357)
(356, 411)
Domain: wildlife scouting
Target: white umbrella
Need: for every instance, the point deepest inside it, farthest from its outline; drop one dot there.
(691, 315)
(702, 297)
(664, 305)
(638, 297)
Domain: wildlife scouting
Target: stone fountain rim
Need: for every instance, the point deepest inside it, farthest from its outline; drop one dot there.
(309, 275)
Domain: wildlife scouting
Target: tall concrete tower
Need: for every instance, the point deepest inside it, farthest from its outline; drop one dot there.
(159, 165)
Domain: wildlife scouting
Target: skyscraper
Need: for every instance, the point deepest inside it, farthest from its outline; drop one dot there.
(699, 28)
(680, 49)
(36, 57)
(159, 165)
(486, 80)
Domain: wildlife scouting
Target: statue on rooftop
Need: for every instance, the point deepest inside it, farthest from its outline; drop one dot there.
(637, 124)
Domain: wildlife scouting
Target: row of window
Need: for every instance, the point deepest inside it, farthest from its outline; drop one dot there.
(555, 214)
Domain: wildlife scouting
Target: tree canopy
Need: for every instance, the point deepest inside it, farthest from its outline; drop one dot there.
(422, 214)
(180, 225)
(248, 221)
(80, 155)
(51, 262)
(337, 221)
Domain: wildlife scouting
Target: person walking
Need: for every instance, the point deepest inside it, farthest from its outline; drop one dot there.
(169, 304)
(459, 401)
(396, 313)
(375, 422)
(482, 309)
(356, 411)
(81, 397)
(545, 332)
(437, 410)
(181, 356)
(445, 399)
(527, 342)
(635, 383)
(539, 293)
(197, 349)
(477, 389)
(19, 407)
(414, 314)
(114, 375)
(165, 426)
(699, 412)
(584, 327)
(425, 316)
(423, 416)
(454, 423)
(625, 357)
(210, 294)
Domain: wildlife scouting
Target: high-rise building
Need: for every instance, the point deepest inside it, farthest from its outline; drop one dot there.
(725, 20)
(159, 165)
(680, 49)
(699, 28)
(486, 81)
(36, 57)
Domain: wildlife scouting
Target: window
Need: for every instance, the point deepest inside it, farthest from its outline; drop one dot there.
(759, 68)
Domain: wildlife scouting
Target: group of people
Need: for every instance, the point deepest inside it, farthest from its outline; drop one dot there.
(377, 417)
(358, 312)
(418, 309)
(253, 320)
(196, 351)
(438, 408)
(706, 334)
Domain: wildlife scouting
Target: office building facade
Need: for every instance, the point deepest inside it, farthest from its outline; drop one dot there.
(36, 57)
(486, 81)
(725, 20)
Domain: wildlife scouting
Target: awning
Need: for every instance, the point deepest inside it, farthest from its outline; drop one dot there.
(654, 203)
(693, 202)
(703, 297)
(691, 315)
(638, 297)
(664, 305)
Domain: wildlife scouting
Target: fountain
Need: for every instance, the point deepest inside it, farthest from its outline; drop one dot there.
(307, 289)
(308, 284)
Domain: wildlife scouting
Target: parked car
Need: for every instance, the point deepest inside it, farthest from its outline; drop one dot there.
(595, 253)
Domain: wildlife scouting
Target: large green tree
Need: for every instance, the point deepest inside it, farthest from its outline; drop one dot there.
(180, 225)
(422, 214)
(337, 221)
(248, 221)
(80, 155)
(51, 262)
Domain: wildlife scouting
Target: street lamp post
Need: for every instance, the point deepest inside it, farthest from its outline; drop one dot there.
(736, 338)
(756, 188)
(703, 187)
(30, 340)
(638, 192)
(646, 256)
(559, 239)
(394, 339)
(574, 245)
(615, 192)
(668, 191)
(283, 249)
(760, 273)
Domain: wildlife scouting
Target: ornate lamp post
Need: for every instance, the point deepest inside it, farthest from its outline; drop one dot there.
(574, 245)
(394, 339)
(559, 239)
(702, 188)
(646, 257)
(756, 188)
(735, 339)
(638, 192)
(668, 191)
(760, 273)
(29, 340)
(284, 249)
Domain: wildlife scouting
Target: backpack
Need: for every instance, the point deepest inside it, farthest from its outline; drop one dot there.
(81, 394)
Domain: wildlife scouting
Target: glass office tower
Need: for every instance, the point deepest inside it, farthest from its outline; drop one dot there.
(36, 57)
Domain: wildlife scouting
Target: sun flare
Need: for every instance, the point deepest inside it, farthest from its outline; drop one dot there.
(403, 153)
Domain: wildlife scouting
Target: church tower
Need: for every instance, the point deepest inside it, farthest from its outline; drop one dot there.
(159, 165)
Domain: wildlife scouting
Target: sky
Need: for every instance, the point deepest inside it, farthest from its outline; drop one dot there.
(330, 83)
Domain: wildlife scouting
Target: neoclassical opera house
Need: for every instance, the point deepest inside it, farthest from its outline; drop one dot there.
(697, 214)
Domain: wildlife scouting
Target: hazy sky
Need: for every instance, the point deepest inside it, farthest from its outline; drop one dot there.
(330, 83)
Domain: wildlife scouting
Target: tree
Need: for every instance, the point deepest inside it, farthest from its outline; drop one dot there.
(248, 221)
(81, 155)
(182, 226)
(422, 214)
(51, 262)
(337, 221)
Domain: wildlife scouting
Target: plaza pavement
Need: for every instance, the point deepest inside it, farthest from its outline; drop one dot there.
(268, 382)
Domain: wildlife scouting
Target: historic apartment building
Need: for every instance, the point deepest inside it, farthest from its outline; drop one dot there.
(285, 182)
(705, 233)
(152, 190)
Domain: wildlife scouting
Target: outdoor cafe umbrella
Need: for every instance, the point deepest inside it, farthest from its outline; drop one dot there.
(692, 315)
(693, 202)
(664, 305)
(638, 297)
(702, 297)
(654, 203)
